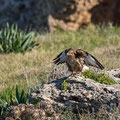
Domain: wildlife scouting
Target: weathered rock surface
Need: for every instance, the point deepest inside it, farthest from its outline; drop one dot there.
(115, 74)
(50, 14)
(85, 93)
(82, 94)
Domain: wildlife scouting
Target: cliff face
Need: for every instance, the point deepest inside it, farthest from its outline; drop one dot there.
(67, 14)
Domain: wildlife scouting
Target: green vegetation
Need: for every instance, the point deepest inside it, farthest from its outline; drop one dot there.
(20, 98)
(32, 68)
(14, 40)
(64, 85)
(3, 107)
(99, 77)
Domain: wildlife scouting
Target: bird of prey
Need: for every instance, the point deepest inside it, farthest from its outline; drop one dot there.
(76, 59)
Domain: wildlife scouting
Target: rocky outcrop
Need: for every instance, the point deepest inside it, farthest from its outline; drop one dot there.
(51, 14)
(85, 93)
(81, 94)
(114, 74)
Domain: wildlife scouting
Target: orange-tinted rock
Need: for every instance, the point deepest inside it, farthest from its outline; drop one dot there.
(66, 14)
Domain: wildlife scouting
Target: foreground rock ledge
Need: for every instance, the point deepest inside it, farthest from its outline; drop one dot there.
(85, 93)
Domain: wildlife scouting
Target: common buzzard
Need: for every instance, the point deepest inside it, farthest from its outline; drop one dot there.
(76, 59)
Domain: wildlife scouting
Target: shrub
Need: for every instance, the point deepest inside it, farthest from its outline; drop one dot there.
(14, 40)
(3, 106)
(21, 97)
(64, 85)
(99, 77)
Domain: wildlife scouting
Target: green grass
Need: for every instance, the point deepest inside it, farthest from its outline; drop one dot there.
(99, 77)
(20, 97)
(32, 68)
(87, 39)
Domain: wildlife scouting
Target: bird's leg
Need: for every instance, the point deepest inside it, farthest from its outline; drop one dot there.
(76, 74)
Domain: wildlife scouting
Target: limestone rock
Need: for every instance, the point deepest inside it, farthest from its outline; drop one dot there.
(115, 74)
(85, 93)
(82, 94)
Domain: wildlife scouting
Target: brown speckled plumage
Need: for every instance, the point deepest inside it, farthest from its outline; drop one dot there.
(76, 59)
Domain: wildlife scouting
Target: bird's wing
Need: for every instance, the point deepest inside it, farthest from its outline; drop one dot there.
(62, 57)
(89, 59)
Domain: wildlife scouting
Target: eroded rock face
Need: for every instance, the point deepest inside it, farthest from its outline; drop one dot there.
(82, 94)
(85, 93)
(50, 14)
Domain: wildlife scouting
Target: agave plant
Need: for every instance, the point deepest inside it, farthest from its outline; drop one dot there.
(14, 40)
(21, 97)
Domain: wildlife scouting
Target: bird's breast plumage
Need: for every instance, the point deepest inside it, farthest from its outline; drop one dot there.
(74, 64)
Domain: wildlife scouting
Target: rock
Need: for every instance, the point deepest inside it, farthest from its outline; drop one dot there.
(85, 93)
(114, 74)
(82, 94)
(51, 14)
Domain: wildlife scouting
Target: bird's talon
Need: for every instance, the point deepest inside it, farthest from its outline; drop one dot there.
(76, 76)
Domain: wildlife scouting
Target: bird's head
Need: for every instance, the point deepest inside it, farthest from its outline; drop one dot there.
(71, 51)
(80, 52)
